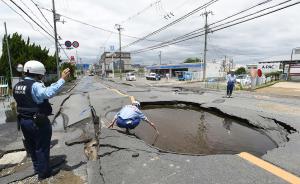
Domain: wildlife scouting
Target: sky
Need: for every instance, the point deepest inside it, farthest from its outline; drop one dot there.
(271, 35)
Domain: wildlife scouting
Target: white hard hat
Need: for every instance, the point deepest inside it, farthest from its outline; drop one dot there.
(34, 67)
(136, 103)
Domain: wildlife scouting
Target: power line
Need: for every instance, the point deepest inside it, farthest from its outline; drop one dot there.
(140, 12)
(96, 27)
(224, 27)
(37, 24)
(174, 22)
(31, 18)
(26, 20)
(196, 33)
(41, 13)
(34, 14)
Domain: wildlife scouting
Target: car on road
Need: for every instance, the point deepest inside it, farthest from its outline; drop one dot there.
(130, 76)
(153, 76)
(243, 80)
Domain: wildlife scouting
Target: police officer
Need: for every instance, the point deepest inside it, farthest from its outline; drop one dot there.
(130, 117)
(33, 110)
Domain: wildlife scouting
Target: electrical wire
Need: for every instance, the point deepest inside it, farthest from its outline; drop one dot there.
(173, 22)
(27, 21)
(140, 12)
(99, 28)
(31, 18)
(37, 24)
(214, 30)
(42, 13)
(34, 14)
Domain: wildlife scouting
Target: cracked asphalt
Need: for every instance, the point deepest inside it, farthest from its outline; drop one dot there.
(126, 159)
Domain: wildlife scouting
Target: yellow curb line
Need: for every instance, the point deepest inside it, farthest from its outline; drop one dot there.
(132, 99)
(117, 91)
(270, 168)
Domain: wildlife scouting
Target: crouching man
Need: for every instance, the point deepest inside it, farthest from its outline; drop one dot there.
(130, 117)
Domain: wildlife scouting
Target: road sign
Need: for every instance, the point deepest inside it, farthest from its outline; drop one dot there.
(75, 44)
(259, 72)
(68, 43)
(112, 48)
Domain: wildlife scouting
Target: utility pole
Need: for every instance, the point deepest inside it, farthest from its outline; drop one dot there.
(159, 57)
(205, 42)
(119, 28)
(8, 54)
(55, 18)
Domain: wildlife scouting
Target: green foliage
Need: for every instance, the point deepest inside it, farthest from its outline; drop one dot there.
(192, 60)
(22, 51)
(240, 70)
(274, 75)
(72, 69)
(141, 70)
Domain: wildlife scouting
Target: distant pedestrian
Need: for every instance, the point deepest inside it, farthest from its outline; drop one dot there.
(33, 110)
(231, 80)
(130, 117)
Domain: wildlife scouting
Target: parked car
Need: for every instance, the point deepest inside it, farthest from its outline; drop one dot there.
(184, 76)
(130, 77)
(243, 80)
(153, 76)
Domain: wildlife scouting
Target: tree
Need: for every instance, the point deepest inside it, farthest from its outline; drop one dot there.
(240, 71)
(192, 60)
(72, 68)
(22, 51)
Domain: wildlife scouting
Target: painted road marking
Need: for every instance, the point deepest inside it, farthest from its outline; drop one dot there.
(118, 92)
(270, 168)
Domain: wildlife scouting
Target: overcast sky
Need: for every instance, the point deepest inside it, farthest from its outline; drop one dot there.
(271, 35)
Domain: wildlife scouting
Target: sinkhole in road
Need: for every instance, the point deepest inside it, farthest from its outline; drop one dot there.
(190, 129)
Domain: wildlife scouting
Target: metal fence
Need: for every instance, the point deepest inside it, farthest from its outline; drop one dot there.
(4, 88)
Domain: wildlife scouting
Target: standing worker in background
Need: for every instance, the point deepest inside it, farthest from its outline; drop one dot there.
(130, 117)
(33, 110)
(231, 79)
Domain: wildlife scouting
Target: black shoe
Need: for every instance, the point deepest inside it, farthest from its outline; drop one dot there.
(52, 172)
(44, 176)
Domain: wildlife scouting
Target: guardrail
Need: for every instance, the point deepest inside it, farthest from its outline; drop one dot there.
(4, 88)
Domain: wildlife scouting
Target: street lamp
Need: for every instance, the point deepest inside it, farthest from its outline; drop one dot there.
(20, 68)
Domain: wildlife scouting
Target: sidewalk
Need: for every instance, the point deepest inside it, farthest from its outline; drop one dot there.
(282, 88)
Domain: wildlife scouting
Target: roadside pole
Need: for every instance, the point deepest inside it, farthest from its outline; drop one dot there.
(55, 38)
(113, 68)
(205, 43)
(119, 28)
(8, 54)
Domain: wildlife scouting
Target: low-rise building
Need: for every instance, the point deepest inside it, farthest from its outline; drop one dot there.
(213, 70)
(111, 62)
(288, 64)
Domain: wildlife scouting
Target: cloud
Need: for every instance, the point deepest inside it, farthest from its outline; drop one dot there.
(274, 34)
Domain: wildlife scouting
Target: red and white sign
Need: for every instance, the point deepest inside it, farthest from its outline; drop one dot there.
(269, 67)
(72, 58)
(75, 44)
(259, 72)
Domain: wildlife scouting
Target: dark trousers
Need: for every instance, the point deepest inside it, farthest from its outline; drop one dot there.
(128, 123)
(230, 86)
(38, 144)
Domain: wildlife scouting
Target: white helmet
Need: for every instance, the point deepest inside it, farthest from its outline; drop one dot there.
(136, 103)
(34, 67)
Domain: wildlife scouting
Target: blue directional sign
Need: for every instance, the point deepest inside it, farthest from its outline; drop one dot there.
(112, 48)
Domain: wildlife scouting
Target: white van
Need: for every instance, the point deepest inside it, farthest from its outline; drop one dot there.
(130, 77)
